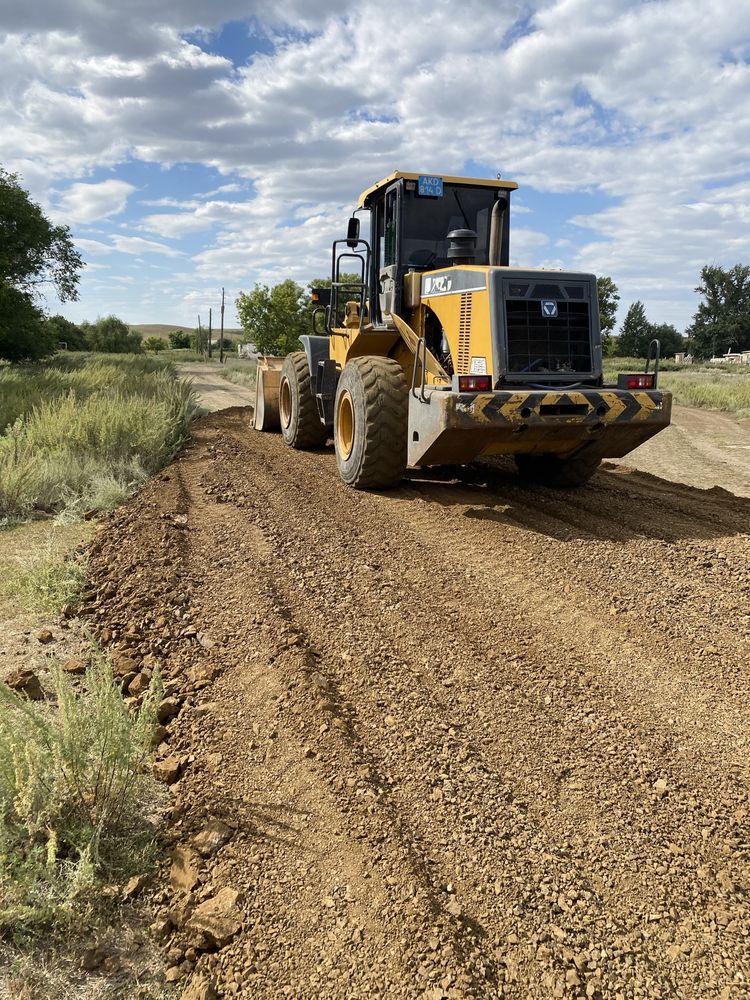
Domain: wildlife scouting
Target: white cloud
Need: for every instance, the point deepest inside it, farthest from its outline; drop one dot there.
(83, 203)
(136, 245)
(647, 104)
(92, 246)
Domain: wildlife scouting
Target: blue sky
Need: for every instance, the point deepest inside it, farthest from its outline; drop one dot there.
(206, 145)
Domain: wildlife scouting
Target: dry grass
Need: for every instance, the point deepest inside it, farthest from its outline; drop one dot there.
(81, 433)
(717, 387)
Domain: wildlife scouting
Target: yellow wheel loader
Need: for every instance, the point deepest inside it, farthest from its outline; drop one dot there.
(429, 349)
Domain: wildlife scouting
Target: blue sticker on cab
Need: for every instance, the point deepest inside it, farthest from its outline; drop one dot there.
(430, 187)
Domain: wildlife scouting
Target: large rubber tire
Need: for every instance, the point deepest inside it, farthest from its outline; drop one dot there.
(301, 426)
(559, 473)
(370, 423)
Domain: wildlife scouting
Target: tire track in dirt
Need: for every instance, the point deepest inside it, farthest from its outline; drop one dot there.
(468, 744)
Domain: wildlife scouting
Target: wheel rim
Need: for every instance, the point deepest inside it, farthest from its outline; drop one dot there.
(345, 425)
(285, 402)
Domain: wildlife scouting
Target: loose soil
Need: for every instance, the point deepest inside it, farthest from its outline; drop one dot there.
(470, 738)
(701, 448)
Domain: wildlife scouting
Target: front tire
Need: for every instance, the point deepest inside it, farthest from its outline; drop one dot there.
(301, 426)
(559, 473)
(370, 423)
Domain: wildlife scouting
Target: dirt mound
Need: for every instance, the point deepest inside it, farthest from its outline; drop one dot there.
(466, 739)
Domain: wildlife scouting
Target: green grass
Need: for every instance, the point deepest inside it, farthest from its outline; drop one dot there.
(75, 781)
(46, 577)
(717, 387)
(241, 374)
(81, 432)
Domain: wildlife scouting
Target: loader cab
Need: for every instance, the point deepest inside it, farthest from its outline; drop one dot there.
(411, 216)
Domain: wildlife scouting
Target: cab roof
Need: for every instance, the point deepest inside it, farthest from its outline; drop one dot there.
(366, 196)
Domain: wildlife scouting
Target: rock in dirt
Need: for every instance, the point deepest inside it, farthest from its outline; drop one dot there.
(25, 681)
(184, 871)
(45, 636)
(168, 709)
(218, 919)
(167, 770)
(199, 988)
(212, 837)
(122, 665)
(74, 666)
(139, 684)
(92, 958)
(134, 887)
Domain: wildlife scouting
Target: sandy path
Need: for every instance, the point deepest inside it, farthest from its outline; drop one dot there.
(474, 739)
(214, 392)
(702, 448)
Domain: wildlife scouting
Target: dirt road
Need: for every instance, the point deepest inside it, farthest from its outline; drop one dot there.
(471, 739)
(214, 392)
(700, 448)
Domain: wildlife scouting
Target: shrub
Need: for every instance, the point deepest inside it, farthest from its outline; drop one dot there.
(179, 339)
(74, 781)
(111, 334)
(82, 433)
(47, 579)
(154, 344)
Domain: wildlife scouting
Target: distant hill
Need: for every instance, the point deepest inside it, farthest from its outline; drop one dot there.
(163, 330)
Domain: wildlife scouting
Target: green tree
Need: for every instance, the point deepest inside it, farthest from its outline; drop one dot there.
(154, 344)
(23, 334)
(670, 339)
(178, 339)
(722, 321)
(273, 319)
(66, 332)
(609, 298)
(33, 253)
(112, 335)
(635, 334)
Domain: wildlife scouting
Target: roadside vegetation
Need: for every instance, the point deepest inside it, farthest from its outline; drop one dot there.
(241, 373)
(80, 432)
(711, 386)
(74, 785)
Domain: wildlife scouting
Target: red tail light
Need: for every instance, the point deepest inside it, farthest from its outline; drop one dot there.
(635, 382)
(474, 383)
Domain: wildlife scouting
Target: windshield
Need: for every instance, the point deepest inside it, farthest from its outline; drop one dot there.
(427, 222)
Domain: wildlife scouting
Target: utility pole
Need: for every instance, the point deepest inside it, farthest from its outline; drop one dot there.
(209, 334)
(221, 341)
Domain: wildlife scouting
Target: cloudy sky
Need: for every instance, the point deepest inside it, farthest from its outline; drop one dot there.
(193, 144)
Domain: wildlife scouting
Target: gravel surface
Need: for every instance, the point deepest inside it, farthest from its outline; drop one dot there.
(464, 739)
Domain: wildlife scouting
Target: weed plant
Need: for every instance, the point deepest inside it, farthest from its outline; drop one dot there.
(46, 579)
(75, 784)
(82, 433)
(243, 374)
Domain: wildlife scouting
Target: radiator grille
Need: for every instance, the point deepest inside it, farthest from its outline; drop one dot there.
(543, 344)
(464, 335)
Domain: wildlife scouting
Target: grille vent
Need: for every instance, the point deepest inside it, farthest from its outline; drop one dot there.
(538, 344)
(464, 335)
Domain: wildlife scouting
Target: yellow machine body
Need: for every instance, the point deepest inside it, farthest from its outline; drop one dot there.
(495, 359)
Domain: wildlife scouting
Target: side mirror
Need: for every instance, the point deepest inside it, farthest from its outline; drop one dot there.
(352, 232)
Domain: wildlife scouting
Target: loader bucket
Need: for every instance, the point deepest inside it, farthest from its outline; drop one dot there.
(266, 415)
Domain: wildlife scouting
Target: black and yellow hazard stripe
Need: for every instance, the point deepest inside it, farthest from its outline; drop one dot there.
(605, 405)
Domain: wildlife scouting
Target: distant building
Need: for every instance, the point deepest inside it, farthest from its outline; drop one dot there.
(246, 351)
(733, 358)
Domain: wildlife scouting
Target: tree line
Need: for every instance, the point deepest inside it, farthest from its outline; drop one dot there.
(34, 254)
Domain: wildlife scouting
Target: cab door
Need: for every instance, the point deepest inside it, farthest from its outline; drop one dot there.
(389, 245)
